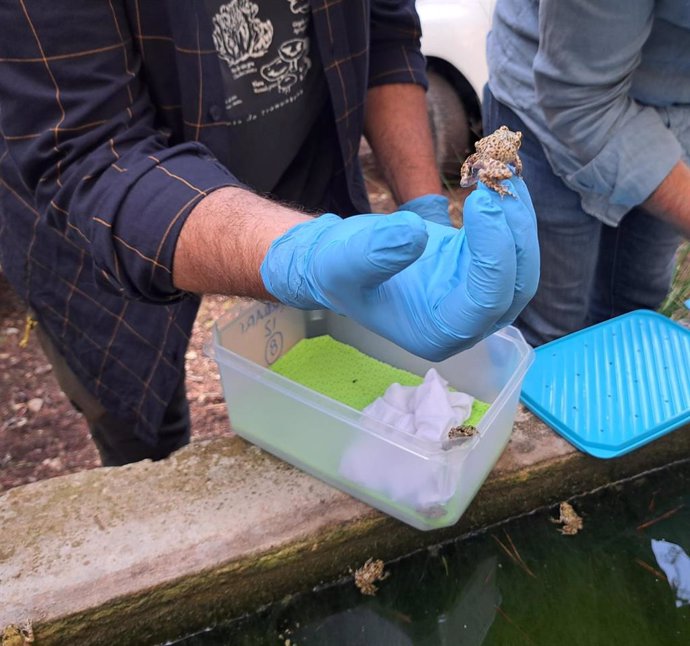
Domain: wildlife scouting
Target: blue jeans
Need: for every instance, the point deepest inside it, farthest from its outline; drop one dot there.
(590, 272)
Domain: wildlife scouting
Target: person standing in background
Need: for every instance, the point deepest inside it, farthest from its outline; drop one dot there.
(601, 91)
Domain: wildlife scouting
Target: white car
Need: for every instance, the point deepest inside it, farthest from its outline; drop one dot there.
(454, 43)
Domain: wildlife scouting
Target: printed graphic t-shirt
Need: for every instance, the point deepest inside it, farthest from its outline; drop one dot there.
(275, 93)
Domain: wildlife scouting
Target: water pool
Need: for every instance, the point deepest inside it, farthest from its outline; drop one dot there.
(517, 583)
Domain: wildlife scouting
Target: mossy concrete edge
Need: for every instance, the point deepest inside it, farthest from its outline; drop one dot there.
(192, 603)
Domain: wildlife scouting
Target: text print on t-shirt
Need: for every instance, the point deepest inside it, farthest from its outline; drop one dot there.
(265, 48)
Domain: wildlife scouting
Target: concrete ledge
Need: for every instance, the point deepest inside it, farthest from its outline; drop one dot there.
(152, 551)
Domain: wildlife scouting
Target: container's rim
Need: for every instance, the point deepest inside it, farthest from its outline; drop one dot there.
(332, 407)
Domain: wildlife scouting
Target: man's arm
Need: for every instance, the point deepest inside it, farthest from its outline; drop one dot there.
(397, 128)
(396, 121)
(224, 241)
(671, 200)
(81, 129)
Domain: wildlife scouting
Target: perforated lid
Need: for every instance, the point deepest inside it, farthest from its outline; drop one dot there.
(615, 386)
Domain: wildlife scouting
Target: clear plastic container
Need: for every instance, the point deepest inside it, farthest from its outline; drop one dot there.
(419, 482)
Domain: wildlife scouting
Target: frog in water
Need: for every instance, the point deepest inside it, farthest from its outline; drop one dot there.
(570, 520)
(366, 576)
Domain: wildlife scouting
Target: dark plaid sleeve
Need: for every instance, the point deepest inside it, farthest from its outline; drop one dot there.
(396, 56)
(80, 127)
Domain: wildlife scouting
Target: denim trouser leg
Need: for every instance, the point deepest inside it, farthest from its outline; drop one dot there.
(635, 266)
(589, 271)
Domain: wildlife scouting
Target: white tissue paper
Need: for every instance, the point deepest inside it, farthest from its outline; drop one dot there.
(427, 411)
(675, 563)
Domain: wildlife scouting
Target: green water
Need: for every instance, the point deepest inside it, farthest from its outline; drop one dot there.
(602, 586)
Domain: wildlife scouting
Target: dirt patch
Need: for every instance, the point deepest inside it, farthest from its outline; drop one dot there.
(41, 435)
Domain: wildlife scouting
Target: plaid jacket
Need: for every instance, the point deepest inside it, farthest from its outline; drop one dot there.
(110, 133)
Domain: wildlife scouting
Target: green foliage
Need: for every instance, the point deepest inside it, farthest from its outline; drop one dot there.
(673, 306)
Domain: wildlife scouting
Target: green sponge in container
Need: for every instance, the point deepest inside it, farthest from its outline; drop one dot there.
(302, 400)
(347, 375)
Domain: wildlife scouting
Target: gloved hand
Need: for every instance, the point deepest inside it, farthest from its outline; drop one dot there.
(431, 207)
(432, 289)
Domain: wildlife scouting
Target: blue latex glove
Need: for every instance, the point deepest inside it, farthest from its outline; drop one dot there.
(431, 207)
(432, 289)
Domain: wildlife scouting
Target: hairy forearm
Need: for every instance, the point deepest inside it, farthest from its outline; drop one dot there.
(224, 241)
(397, 129)
(671, 200)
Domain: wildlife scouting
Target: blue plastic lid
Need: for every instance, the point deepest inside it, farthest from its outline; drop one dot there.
(615, 386)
